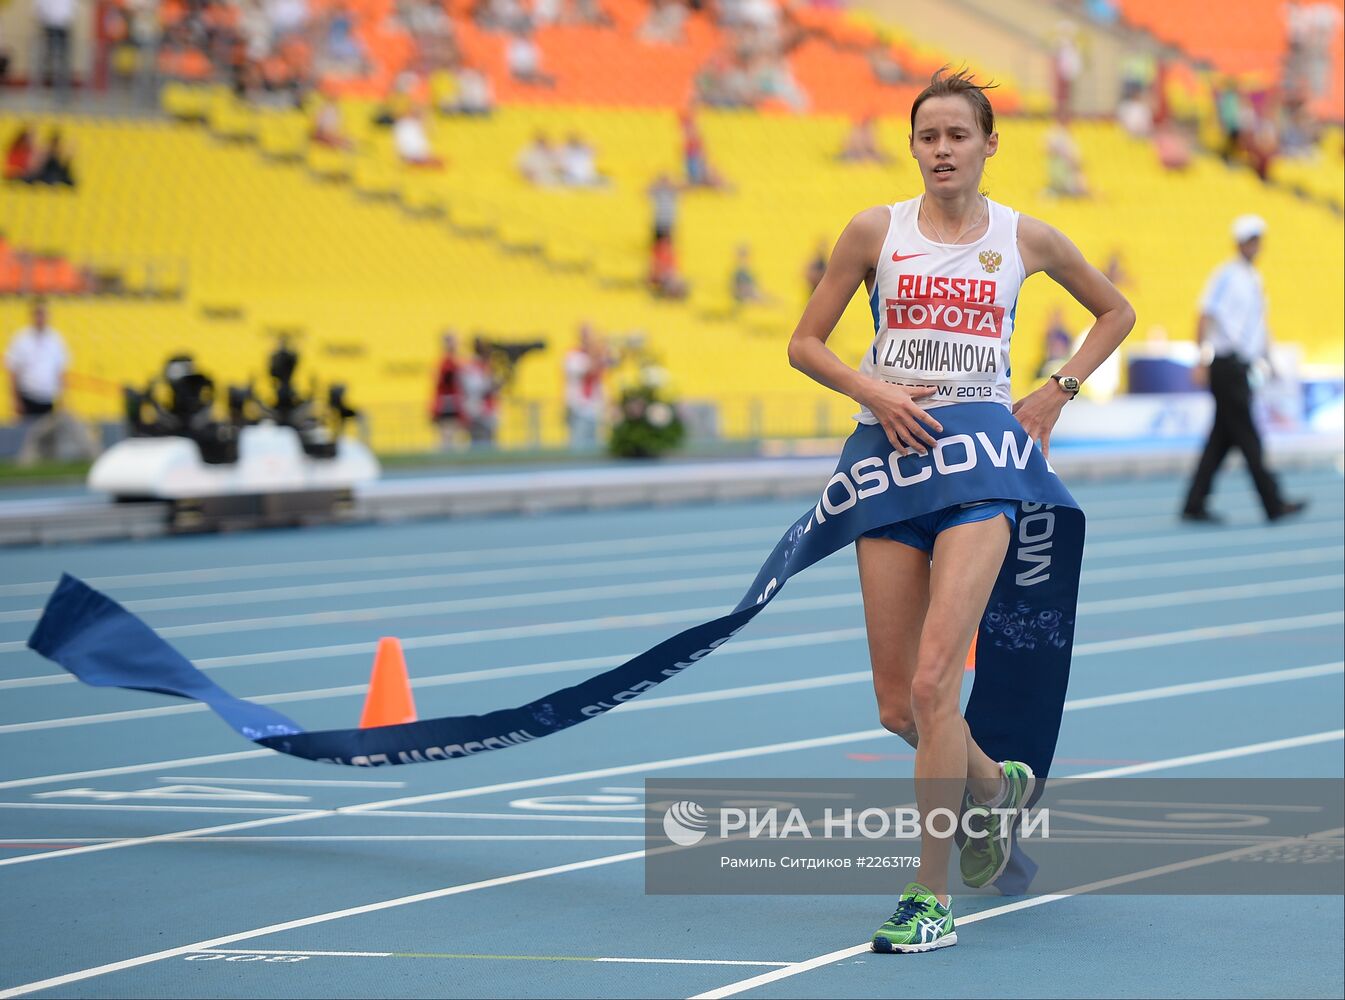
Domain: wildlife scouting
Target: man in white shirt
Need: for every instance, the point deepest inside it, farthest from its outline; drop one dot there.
(585, 366)
(1232, 336)
(37, 361)
(57, 18)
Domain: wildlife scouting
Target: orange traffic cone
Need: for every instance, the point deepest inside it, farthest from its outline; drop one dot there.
(971, 654)
(389, 701)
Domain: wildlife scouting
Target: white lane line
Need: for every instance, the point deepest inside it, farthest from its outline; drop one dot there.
(743, 985)
(296, 951)
(114, 845)
(372, 838)
(216, 779)
(309, 921)
(1217, 564)
(138, 807)
(1207, 539)
(154, 765)
(1072, 705)
(687, 961)
(487, 837)
(554, 779)
(1272, 588)
(1203, 687)
(735, 582)
(1251, 749)
(1239, 630)
(566, 627)
(319, 918)
(680, 541)
(415, 584)
(532, 817)
(536, 958)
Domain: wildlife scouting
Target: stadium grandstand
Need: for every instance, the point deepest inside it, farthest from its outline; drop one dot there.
(217, 213)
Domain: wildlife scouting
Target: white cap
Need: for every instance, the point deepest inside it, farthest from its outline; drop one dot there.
(1245, 227)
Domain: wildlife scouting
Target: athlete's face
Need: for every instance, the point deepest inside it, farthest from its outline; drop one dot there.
(950, 146)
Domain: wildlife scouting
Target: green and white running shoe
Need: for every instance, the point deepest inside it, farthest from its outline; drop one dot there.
(983, 859)
(921, 923)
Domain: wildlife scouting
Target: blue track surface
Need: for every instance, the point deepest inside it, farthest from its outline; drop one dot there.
(495, 611)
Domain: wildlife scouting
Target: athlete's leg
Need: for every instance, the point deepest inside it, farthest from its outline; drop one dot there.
(966, 563)
(894, 579)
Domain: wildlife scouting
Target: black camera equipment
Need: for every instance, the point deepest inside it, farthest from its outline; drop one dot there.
(505, 355)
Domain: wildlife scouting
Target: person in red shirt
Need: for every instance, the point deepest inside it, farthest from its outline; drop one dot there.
(19, 155)
(446, 404)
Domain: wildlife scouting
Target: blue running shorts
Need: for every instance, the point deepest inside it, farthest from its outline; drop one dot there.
(920, 532)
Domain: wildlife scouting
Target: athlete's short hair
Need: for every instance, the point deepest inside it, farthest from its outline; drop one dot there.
(959, 84)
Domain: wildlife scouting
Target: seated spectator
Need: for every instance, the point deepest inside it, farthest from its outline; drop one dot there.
(1116, 271)
(498, 15)
(413, 142)
(19, 155)
(886, 69)
(861, 145)
(1135, 116)
(698, 170)
(665, 280)
(539, 161)
(339, 52)
(1058, 346)
(525, 60)
(1262, 145)
(1172, 146)
(816, 267)
(665, 24)
(52, 164)
(590, 12)
(546, 12)
(743, 282)
(287, 17)
(773, 80)
(475, 96)
(1063, 165)
(723, 82)
(399, 102)
(577, 163)
(327, 128)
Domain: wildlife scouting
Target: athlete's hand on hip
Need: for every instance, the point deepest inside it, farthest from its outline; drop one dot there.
(1038, 411)
(902, 417)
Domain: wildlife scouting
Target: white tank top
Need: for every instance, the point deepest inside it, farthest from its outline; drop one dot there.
(943, 313)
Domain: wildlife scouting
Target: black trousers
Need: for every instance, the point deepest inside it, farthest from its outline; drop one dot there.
(1233, 428)
(56, 57)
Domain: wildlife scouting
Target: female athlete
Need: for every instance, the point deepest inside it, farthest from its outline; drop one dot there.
(943, 271)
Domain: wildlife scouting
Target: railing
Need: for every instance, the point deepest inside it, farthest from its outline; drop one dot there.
(537, 425)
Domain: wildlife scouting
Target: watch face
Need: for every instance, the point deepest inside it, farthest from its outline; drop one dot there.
(1069, 383)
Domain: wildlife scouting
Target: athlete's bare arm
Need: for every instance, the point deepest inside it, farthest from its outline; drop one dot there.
(1045, 248)
(851, 263)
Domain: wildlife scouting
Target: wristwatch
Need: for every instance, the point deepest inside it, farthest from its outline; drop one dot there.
(1068, 383)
